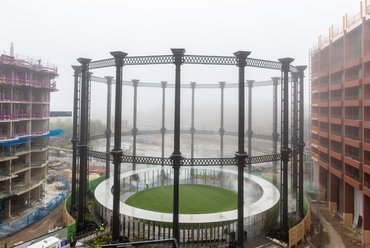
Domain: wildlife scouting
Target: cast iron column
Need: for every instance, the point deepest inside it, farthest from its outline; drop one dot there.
(84, 101)
(163, 128)
(135, 83)
(284, 147)
(275, 134)
(241, 155)
(250, 132)
(222, 130)
(176, 155)
(192, 129)
(74, 139)
(108, 132)
(294, 138)
(117, 152)
(301, 143)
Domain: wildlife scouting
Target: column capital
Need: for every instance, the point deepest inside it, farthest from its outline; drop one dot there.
(109, 79)
(222, 84)
(241, 57)
(178, 54)
(285, 63)
(76, 68)
(193, 85)
(84, 62)
(250, 83)
(135, 82)
(275, 80)
(163, 84)
(119, 57)
(301, 69)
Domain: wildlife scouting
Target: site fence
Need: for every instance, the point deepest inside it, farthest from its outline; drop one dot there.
(36, 214)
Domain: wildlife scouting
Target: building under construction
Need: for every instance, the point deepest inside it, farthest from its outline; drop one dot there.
(25, 87)
(340, 71)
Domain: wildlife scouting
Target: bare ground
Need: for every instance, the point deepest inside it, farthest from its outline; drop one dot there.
(37, 229)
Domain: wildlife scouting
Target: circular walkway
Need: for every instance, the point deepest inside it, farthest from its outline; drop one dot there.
(270, 196)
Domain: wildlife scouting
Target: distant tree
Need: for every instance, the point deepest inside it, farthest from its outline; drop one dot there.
(64, 140)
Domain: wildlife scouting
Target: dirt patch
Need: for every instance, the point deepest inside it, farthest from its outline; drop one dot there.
(328, 231)
(37, 229)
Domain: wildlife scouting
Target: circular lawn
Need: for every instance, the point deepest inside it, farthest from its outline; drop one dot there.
(194, 199)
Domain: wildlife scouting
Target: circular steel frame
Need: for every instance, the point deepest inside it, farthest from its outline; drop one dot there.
(178, 58)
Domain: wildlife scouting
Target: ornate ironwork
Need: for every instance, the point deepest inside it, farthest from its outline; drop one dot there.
(149, 60)
(209, 60)
(260, 63)
(209, 161)
(190, 59)
(187, 161)
(102, 63)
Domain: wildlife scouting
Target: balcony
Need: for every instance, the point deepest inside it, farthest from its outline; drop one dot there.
(336, 170)
(40, 115)
(323, 164)
(366, 143)
(367, 184)
(38, 148)
(335, 85)
(5, 175)
(7, 155)
(335, 135)
(38, 163)
(352, 101)
(21, 188)
(19, 167)
(352, 120)
(352, 161)
(21, 150)
(353, 176)
(5, 194)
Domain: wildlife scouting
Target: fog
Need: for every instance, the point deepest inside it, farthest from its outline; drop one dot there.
(62, 31)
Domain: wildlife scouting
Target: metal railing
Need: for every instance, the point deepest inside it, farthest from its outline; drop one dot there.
(353, 117)
(170, 243)
(353, 176)
(336, 166)
(352, 136)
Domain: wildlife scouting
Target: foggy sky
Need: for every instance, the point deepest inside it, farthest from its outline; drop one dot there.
(61, 31)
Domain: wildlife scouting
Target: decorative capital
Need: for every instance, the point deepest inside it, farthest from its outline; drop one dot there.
(135, 82)
(76, 68)
(222, 84)
(250, 83)
(301, 69)
(109, 79)
(285, 63)
(241, 58)
(178, 54)
(275, 80)
(119, 57)
(164, 84)
(84, 63)
(193, 85)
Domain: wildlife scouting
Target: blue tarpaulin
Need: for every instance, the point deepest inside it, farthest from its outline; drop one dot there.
(18, 141)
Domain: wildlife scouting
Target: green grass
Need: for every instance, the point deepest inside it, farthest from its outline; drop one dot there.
(194, 199)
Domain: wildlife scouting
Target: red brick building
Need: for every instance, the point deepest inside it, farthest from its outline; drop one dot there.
(340, 72)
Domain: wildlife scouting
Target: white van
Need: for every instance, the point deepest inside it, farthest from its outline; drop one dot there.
(50, 242)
